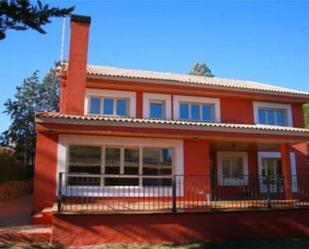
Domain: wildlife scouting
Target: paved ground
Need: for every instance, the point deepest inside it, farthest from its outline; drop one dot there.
(16, 212)
(263, 244)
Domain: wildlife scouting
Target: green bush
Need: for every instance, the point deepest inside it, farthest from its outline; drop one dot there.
(12, 169)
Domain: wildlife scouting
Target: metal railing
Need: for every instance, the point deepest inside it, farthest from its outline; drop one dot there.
(177, 193)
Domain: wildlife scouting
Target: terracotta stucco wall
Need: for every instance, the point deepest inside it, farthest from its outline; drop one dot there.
(80, 230)
(44, 193)
(236, 110)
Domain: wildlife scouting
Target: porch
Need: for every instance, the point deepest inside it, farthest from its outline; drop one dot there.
(85, 193)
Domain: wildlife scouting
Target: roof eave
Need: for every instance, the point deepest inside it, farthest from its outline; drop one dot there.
(158, 125)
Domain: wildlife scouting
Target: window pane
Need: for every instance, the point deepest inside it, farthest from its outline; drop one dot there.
(207, 113)
(262, 116)
(108, 106)
(156, 110)
(112, 161)
(225, 168)
(232, 167)
(280, 118)
(270, 117)
(157, 161)
(87, 160)
(184, 111)
(117, 181)
(131, 161)
(122, 107)
(165, 182)
(95, 104)
(279, 168)
(236, 167)
(195, 112)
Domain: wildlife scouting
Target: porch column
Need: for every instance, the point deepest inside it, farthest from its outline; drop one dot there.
(286, 169)
(197, 179)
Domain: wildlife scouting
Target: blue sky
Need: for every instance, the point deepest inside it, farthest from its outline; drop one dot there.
(266, 41)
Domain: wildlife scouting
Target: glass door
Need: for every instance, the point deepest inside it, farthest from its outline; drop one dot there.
(272, 175)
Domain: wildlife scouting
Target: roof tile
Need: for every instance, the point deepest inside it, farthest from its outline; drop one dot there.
(257, 127)
(174, 78)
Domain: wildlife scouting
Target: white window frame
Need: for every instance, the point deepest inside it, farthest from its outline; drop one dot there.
(115, 94)
(156, 97)
(277, 155)
(197, 100)
(275, 106)
(232, 181)
(178, 162)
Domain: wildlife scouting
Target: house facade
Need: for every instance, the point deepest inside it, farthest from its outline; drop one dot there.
(133, 135)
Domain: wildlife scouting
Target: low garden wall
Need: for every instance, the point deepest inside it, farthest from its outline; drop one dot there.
(90, 229)
(13, 189)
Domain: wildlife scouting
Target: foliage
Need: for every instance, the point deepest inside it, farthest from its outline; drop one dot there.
(22, 15)
(201, 69)
(306, 114)
(32, 96)
(12, 169)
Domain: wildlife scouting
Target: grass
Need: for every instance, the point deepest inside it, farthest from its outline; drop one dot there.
(260, 244)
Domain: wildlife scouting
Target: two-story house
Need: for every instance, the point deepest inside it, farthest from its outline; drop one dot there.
(132, 140)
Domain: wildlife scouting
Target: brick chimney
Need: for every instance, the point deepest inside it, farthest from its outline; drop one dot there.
(73, 94)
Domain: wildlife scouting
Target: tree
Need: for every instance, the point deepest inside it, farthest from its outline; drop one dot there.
(201, 69)
(49, 91)
(22, 15)
(32, 96)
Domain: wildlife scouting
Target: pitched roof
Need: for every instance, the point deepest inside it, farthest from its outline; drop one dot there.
(175, 124)
(191, 80)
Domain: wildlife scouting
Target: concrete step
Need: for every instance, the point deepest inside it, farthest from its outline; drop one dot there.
(26, 234)
(43, 218)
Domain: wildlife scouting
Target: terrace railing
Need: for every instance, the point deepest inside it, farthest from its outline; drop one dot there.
(177, 193)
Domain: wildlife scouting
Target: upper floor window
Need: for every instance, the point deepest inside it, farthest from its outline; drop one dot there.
(197, 108)
(157, 106)
(196, 112)
(272, 114)
(109, 106)
(110, 102)
(157, 109)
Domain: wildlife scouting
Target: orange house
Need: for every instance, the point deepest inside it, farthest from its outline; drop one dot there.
(132, 141)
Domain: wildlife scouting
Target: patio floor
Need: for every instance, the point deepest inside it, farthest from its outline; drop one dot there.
(121, 206)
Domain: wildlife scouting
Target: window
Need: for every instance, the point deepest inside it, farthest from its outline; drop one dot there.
(84, 160)
(95, 105)
(157, 106)
(112, 161)
(196, 112)
(157, 162)
(272, 114)
(157, 109)
(196, 108)
(109, 106)
(123, 166)
(232, 168)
